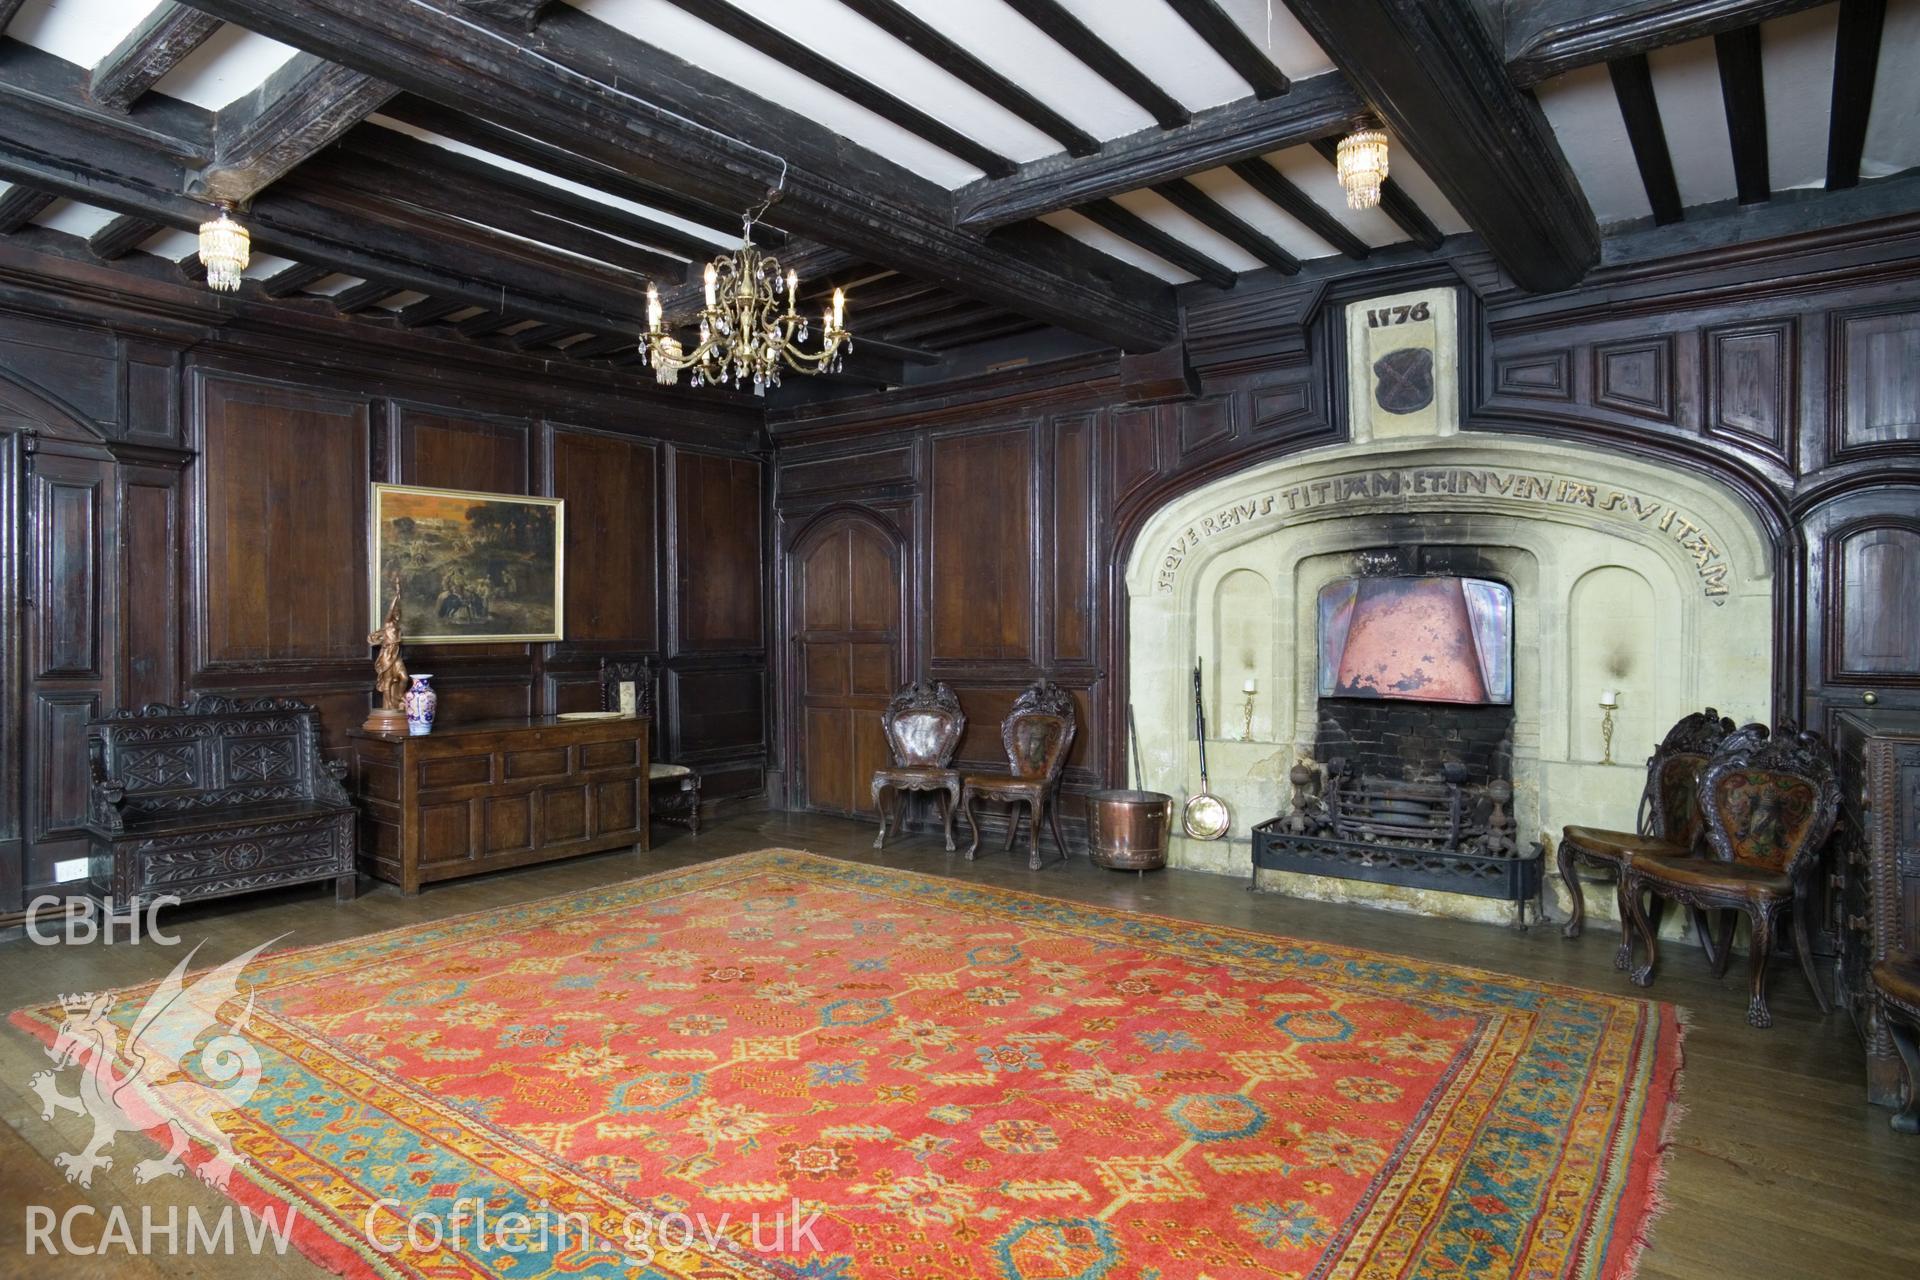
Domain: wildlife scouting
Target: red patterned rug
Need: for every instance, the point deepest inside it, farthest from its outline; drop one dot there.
(783, 1066)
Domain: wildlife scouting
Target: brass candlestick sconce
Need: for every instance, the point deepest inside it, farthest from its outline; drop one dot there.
(1246, 710)
(1609, 703)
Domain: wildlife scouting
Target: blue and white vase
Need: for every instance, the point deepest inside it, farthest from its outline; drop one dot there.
(422, 702)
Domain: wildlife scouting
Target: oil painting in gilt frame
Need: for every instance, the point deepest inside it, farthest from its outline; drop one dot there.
(472, 568)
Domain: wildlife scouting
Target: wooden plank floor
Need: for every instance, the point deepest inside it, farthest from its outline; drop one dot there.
(1779, 1170)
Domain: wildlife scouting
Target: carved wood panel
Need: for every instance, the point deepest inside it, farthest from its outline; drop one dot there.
(442, 451)
(149, 577)
(1750, 386)
(717, 542)
(1635, 377)
(282, 580)
(69, 501)
(1876, 631)
(1876, 382)
(1075, 524)
(609, 486)
(844, 583)
(981, 573)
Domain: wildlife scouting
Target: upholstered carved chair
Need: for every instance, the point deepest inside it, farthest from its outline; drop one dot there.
(673, 789)
(1670, 824)
(923, 724)
(1897, 979)
(1769, 805)
(1037, 734)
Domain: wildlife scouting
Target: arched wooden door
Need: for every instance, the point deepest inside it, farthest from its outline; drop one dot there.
(845, 610)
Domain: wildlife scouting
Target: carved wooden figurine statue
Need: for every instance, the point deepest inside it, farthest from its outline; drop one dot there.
(389, 673)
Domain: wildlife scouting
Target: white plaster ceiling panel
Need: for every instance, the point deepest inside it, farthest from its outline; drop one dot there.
(844, 37)
(1308, 170)
(1893, 130)
(261, 265)
(1796, 54)
(1274, 29)
(716, 237)
(172, 244)
(74, 219)
(1188, 230)
(669, 27)
(1154, 38)
(328, 286)
(1586, 119)
(411, 296)
(1098, 237)
(80, 31)
(1425, 192)
(1686, 85)
(1015, 48)
(229, 66)
(1226, 188)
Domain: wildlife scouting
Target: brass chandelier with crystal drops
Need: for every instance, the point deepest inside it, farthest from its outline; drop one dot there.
(748, 333)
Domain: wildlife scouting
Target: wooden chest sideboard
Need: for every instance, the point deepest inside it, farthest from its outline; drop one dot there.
(1876, 870)
(471, 798)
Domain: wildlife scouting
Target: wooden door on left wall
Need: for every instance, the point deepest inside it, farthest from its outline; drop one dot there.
(845, 608)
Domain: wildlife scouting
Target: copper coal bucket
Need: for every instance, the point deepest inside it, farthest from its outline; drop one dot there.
(1127, 830)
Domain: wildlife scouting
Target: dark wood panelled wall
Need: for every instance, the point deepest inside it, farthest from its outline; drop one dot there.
(195, 484)
(194, 473)
(1788, 371)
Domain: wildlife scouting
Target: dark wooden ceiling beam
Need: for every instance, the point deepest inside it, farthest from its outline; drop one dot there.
(1547, 38)
(457, 126)
(65, 146)
(440, 192)
(301, 108)
(1227, 39)
(1394, 202)
(160, 43)
(1073, 35)
(1131, 226)
(1314, 109)
(7, 9)
(20, 205)
(942, 52)
(964, 314)
(1275, 187)
(488, 322)
(291, 280)
(514, 13)
(879, 319)
(1856, 58)
(419, 314)
(777, 44)
(492, 184)
(890, 350)
(1201, 207)
(357, 298)
(1433, 71)
(191, 268)
(604, 345)
(540, 335)
(578, 83)
(1633, 89)
(122, 236)
(1743, 93)
(984, 331)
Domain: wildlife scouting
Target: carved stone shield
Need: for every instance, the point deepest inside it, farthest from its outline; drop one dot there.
(1404, 380)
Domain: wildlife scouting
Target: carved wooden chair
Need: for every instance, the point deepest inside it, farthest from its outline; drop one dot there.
(1897, 980)
(1036, 734)
(1769, 804)
(673, 789)
(923, 724)
(1670, 824)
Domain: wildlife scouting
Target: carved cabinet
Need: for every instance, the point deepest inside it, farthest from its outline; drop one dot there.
(470, 798)
(1876, 870)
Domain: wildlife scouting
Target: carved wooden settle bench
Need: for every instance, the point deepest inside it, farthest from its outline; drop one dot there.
(218, 797)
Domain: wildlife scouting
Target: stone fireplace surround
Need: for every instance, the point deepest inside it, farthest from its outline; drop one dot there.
(1626, 575)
